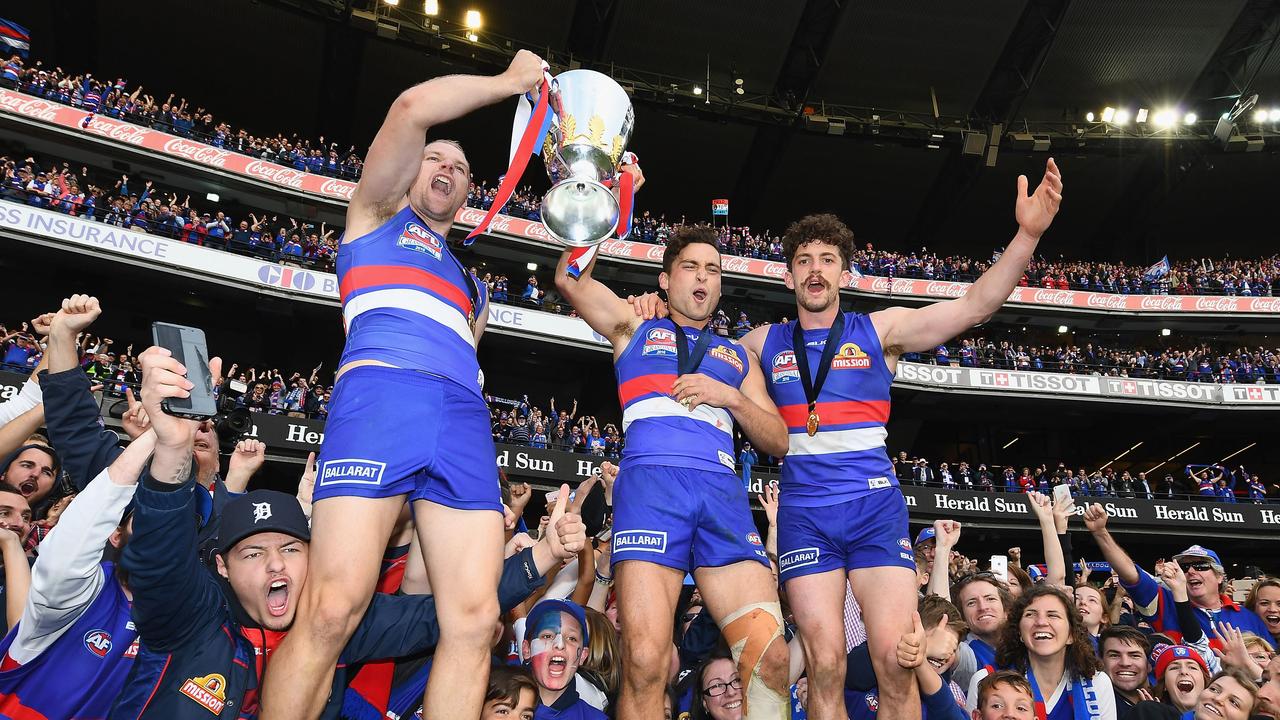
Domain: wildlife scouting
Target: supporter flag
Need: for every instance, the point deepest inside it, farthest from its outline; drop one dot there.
(1157, 270)
(853, 269)
(15, 36)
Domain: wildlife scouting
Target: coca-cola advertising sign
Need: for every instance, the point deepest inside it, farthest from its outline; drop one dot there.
(278, 174)
(118, 131)
(26, 106)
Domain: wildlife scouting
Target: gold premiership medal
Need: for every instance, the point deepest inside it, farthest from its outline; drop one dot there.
(813, 423)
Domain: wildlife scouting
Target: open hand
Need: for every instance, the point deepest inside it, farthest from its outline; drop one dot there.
(1036, 212)
(769, 501)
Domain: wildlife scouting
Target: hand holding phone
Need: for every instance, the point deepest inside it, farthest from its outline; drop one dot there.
(187, 345)
(1061, 494)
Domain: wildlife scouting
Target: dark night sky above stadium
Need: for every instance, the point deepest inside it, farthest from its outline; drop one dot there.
(270, 66)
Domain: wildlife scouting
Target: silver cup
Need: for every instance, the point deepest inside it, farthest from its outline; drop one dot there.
(584, 145)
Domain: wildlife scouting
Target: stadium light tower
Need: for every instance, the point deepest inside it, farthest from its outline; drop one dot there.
(472, 20)
(431, 7)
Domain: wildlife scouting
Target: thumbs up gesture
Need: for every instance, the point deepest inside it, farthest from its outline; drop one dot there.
(566, 534)
(911, 646)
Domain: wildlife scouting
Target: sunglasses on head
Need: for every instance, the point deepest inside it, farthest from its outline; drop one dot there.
(1197, 566)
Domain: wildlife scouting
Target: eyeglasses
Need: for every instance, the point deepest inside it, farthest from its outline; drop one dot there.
(718, 689)
(1199, 566)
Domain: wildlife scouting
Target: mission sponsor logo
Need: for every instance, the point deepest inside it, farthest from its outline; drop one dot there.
(850, 357)
(351, 471)
(419, 239)
(785, 369)
(660, 341)
(728, 355)
(98, 642)
(210, 691)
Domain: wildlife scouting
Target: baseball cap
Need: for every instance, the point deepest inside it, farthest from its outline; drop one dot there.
(1169, 653)
(926, 534)
(549, 606)
(258, 512)
(1198, 551)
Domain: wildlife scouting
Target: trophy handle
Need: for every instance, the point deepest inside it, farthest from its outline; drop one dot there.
(552, 87)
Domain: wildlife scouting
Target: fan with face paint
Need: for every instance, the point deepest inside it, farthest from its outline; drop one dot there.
(555, 645)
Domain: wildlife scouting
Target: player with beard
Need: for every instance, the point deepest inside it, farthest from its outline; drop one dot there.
(678, 504)
(413, 316)
(841, 519)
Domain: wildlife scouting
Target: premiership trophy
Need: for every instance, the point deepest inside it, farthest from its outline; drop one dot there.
(584, 147)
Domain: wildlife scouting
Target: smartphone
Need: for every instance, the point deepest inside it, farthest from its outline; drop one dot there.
(1061, 494)
(1000, 567)
(605, 535)
(189, 347)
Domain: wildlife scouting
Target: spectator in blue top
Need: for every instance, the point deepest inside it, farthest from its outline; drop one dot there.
(747, 459)
(532, 293)
(1257, 491)
(743, 326)
(1154, 602)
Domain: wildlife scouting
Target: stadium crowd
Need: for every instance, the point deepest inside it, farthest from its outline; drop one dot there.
(117, 99)
(110, 201)
(1203, 363)
(1212, 482)
(99, 537)
(1133, 642)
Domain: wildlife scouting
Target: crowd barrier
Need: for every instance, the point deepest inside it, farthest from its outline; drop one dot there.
(25, 108)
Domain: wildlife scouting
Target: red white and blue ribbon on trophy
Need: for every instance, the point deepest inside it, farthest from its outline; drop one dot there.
(528, 134)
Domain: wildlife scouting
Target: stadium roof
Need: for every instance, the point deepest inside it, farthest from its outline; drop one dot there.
(314, 67)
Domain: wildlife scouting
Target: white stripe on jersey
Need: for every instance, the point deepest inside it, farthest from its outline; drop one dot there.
(664, 406)
(414, 301)
(838, 441)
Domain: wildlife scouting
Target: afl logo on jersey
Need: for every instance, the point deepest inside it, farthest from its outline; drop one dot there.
(784, 368)
(660, 341)
(850, 357)
(98, 642)
(419, 239)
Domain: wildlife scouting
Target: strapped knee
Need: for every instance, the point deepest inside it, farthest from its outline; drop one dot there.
(749, 632)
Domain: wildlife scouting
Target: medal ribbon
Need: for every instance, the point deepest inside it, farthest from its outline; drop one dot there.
(685, 362)
(813, 386)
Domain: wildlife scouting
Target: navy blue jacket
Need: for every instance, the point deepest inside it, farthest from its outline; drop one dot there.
(189, 623)
(86, 446)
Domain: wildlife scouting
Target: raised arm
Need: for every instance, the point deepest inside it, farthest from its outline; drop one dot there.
(1055, 566)
(396, 152)
(903, 330)
(604, 311)
(1095, 519)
